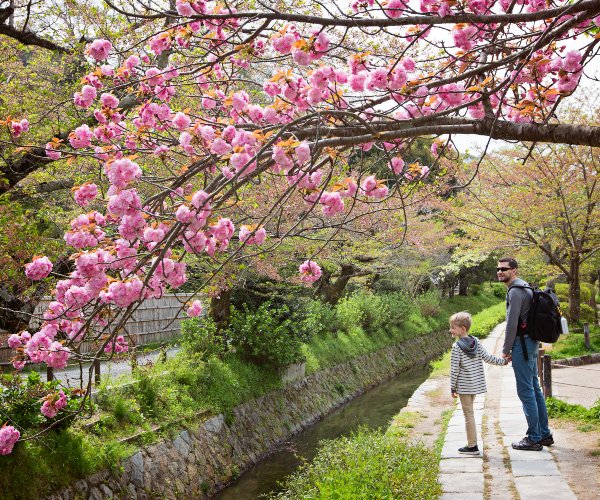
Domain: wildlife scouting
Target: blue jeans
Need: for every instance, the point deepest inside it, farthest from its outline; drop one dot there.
(528, 388)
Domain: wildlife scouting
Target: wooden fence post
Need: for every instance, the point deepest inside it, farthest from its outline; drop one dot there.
(547, 375)
(586, 335)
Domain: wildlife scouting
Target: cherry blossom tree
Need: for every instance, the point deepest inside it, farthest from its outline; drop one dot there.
(199, 105)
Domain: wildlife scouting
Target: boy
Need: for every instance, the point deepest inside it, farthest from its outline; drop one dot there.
(466, 373)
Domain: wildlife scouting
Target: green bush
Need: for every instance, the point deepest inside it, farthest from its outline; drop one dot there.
(199, 336)
(498, 289)
(22, 399)
(317, 318)
(590, 292)
(370, 311)
(429, 303)
(587, 314)
(485, 321)
(268, 336)
(562, 292)
(366, 465)
(400, 306)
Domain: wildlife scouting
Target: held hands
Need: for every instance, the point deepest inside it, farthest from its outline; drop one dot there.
(454, 394)
(507, 358)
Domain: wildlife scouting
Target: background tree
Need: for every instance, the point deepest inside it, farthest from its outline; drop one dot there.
(550, 201)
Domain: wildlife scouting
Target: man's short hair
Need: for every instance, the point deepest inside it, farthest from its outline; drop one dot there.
(462, 318)
(512, 263)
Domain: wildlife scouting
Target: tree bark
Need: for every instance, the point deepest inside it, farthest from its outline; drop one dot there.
(220, 309)
(331, 293)
(574, 287)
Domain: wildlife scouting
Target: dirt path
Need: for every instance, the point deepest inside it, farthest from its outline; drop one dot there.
(577, 452)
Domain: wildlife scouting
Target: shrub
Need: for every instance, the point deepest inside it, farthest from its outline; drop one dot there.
(587, 314)
(266, 336)
(499, 290)
(485, 321)
(429, 303)
(558, 408)
(562, 292)
(365, 309)
(317, 318)
(400, 306)
(22, 400)
(199, 336)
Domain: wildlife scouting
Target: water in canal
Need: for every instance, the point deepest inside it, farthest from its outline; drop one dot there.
(373, 409)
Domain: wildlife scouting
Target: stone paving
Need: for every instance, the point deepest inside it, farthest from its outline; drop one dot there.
(535, 474)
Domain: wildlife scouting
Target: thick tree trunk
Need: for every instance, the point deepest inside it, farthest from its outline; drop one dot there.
(220, 309)
(463, 286)
(331, 293)
(574, 289)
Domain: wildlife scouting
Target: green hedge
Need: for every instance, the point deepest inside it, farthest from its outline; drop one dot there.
(485, 321)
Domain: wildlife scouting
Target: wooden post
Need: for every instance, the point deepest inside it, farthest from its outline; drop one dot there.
(134, 360)
(97, 371)
(49, 373)
(547, 375)
(541, 353)
(586, 335)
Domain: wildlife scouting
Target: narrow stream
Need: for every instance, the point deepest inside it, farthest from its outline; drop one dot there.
(373, 409)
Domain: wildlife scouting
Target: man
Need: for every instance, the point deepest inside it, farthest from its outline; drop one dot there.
(523, 351)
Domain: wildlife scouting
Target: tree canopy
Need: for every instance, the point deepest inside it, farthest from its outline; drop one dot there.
(195, 125)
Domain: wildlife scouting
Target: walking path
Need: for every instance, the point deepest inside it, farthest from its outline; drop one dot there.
(532, 475)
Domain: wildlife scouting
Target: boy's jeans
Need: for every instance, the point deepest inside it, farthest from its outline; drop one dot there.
(466, 401)
(528, 388)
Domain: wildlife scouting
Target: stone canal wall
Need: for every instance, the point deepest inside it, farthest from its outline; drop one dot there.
(198, 462)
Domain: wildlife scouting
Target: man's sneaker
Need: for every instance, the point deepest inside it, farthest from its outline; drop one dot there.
(527, 444)
(547, 441)
(469, 450)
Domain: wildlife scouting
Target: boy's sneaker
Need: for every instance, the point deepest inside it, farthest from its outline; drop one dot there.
(469, 450)
(527, 444)
(547, 441)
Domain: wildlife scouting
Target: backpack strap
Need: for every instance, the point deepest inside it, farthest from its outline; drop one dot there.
(521, 328)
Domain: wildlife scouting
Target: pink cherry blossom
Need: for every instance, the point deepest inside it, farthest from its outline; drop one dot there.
(184, 8)
(572, 61)
(309, 271)
(181, 121)
(53, 403)
(220, 147)
(109, 100)
(374, 188)
(117, 345)
(52, 151)
(8, 437)
(39, 268)
(121, 172)
(99, 49)
(195, 309)
(258, 238)
(81, 137)
(332, 202)
(395, 8)
(85, 193)
(397, 165)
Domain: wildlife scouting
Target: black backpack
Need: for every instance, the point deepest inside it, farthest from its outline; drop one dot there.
(543, 320)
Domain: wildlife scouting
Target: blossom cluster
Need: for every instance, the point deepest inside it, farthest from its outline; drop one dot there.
(8, 437)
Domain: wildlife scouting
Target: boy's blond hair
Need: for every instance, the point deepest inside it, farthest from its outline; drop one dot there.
(462, 318)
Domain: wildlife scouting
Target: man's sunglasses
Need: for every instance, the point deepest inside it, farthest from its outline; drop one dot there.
(503, 269)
